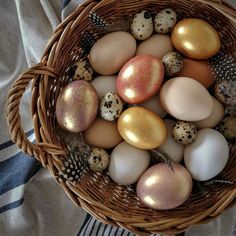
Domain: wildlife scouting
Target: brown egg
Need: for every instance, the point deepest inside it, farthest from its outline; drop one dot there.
(103, 134)
(198, 70)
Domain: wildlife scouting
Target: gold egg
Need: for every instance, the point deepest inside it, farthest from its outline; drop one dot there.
(195, 38)
(142, 128)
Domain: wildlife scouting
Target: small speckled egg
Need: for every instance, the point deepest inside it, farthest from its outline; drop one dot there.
(173, 63)
(110, 106)
(228, 127)
(142, 25)
(223, 91)
(184, 132)
(98, 159)
(82, 70)
(165, 21)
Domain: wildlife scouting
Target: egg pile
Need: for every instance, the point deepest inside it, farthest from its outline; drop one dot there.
(145, 90)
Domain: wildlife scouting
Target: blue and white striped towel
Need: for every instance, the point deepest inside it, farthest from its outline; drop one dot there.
(31, 203)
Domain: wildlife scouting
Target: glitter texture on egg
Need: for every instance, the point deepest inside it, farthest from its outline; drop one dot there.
(77, 106)
(140, 78)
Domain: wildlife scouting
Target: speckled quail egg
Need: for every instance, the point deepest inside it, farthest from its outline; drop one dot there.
(173, 63)
(111, 106)
(224, 91)
(227, 127)
(165, 20)
(184, 132)
(98, 159)
(82, 70)
(142, 25)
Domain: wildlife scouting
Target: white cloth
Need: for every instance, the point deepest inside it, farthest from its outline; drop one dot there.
(31, 203)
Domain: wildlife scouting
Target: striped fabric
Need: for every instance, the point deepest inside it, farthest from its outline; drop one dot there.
(94, 227)
(31, 203)
(12, 176)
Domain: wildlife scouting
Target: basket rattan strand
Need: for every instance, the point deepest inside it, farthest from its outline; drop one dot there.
(97, 194)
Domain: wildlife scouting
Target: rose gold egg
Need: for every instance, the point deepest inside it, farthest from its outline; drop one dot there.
(162, 188)
(140, 78)
(77, 106)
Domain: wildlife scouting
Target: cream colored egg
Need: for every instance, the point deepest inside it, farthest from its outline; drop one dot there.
(157, 45)
(111, 52)
(214, 118)
(170, 148)
(153, 104)
(128, 163)
(104, 84)
(186, 99)
(207, 156)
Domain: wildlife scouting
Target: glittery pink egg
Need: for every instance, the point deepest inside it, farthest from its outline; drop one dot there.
(162, 188)
(140, 78)
(77, 106)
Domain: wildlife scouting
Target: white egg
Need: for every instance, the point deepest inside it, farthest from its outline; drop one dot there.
(142, 25)
(104, 84)
(157, 45)
(207, 156)
(154, 105)
(128, 163)
(173, 150)
(165, 20)
(111, 106)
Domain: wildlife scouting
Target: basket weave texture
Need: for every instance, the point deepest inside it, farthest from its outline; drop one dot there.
(97, 193)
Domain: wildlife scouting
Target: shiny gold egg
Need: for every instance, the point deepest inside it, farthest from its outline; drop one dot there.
(195, 38)
(142, 128)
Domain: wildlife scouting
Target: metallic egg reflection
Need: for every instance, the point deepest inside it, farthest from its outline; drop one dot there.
(162, 188)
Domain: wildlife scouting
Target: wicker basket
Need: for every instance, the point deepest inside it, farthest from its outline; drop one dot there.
(97, 194)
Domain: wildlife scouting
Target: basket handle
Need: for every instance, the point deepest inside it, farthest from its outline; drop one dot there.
(15, 94)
